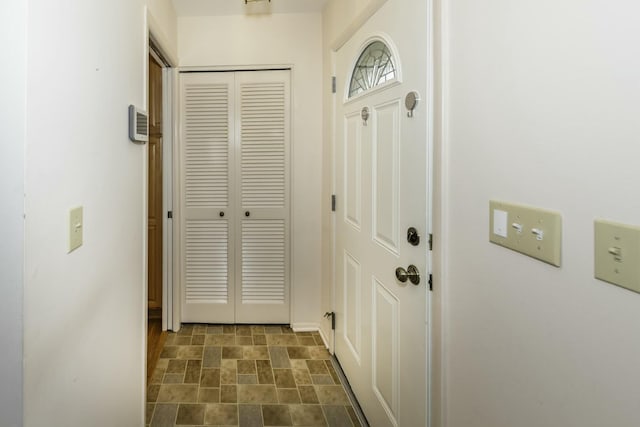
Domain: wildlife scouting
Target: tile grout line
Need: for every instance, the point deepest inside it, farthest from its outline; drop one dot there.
(293, 347)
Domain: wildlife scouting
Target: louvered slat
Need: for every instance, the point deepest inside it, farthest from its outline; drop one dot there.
(263, 262)
(206, 139)
(262, 133)
(206, 270)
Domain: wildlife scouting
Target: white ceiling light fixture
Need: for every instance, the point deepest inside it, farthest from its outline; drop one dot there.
(238, 7)
(257, 7)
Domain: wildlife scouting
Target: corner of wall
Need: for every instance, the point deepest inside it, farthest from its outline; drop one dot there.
(13, 33)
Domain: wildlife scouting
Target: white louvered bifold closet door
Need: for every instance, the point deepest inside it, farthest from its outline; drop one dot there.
(207, 217)
(235, 148)
(262, 130)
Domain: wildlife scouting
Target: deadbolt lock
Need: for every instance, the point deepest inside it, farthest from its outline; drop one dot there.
(413, 237)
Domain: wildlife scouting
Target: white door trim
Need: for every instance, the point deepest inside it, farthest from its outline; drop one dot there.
(168, 138)
(168, 124)
(439, 66)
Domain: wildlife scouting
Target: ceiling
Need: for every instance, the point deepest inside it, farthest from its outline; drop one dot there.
(237, 7)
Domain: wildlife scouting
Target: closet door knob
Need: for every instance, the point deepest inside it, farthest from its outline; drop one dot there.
(221, 214)
(247, 213)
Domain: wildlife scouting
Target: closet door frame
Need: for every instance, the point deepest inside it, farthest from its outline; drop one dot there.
(235, 226)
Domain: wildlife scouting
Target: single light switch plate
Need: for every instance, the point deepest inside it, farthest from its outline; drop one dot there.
(531, 231)
(75, 228)
(617, 254)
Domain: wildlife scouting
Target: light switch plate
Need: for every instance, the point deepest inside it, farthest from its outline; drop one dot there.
(617, 254)
(531, 231)
(75, 228)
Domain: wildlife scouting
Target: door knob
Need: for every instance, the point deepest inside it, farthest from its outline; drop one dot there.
(410, 273)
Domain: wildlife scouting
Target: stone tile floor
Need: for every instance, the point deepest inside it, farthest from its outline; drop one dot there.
(230, 375)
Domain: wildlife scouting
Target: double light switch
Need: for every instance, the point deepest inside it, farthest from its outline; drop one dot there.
(531, 231)
(538, 233)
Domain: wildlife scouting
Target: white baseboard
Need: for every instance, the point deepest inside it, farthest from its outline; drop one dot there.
(324, 339)
(305, 327)
(311, 327)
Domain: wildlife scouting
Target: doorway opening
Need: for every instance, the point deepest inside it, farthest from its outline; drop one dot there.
(159, 204)
(155, 335)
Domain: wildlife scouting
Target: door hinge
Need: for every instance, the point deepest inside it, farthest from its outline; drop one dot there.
(430, 241)
(170, 214)
(334, 84)
(333, 203)
(332, 315)
(430, 281)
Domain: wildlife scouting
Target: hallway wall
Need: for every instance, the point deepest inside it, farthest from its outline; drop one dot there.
(278, 39)
(84, 312)
(163, 24)
(13, 36)
(543, 110)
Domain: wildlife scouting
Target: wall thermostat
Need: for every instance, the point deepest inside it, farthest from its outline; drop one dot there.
(138, 124)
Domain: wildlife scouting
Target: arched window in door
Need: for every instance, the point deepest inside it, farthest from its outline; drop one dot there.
(374, 67)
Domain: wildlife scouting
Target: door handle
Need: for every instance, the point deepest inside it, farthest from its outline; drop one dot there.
(411, 273)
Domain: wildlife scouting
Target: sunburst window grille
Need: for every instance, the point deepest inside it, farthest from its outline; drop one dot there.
(374, 67)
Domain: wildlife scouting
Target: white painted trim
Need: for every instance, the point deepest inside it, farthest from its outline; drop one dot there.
(439, 403)
(325, 341)
(430, 162)
(359, 21)
(312, 327)
(231, 68)
(167, 198)
(177, 202)
(169, 92)
(305, 327)
(292, 186)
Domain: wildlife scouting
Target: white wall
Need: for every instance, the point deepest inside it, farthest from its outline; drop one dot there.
(13, 36)
(280, 39)
(163, 24)
(543, 110)
(84, 312)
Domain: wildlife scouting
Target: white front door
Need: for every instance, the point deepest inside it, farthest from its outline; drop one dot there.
(235, 141)
(381, 184)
